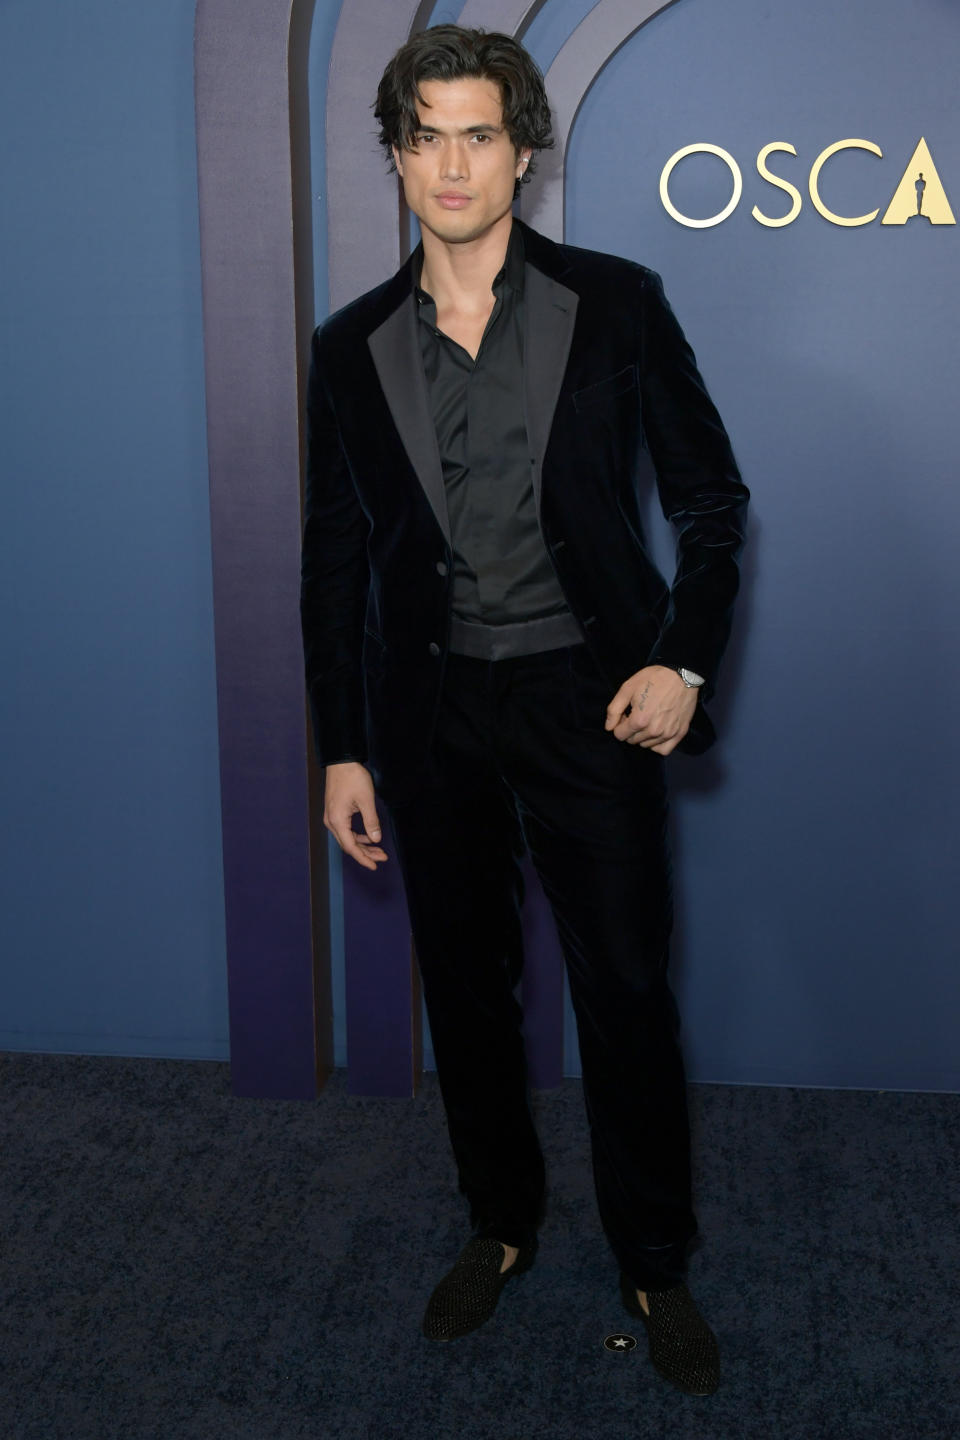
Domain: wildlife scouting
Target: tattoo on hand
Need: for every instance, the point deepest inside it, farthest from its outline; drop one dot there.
(638, 704)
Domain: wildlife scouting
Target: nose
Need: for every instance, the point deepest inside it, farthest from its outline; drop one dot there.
(453, 161)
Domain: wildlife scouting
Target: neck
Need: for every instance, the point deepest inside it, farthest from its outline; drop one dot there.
(462, 275)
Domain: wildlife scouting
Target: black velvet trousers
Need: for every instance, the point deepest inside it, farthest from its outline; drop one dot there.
(521, 758)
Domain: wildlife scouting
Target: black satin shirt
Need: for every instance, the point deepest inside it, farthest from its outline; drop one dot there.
(502, 573)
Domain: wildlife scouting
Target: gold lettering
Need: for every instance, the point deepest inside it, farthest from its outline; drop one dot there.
(818, 165)
(667, 171)
(766, 174)
(920, 194)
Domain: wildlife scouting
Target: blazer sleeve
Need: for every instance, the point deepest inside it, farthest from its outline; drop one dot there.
(700, 489)
(334, 578)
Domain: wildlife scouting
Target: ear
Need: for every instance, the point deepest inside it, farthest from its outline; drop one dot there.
(396, 160)
(523, 160)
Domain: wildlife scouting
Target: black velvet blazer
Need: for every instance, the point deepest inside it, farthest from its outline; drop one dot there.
(610, 383)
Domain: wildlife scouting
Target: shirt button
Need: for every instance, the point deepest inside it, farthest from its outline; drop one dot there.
(441, 568)
(434, 648)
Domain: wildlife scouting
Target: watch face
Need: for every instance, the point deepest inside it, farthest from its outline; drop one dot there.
(690, 678)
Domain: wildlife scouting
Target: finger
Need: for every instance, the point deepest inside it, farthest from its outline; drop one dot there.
(371, 821)
(617, 708)
(665, 745)
(652, 740)
(351, 846)
(351, 842)
(637, 724)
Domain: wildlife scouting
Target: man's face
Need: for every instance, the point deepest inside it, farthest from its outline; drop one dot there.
(460, 179)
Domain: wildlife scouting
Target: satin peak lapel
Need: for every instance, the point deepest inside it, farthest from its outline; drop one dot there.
(550, 314)
(395, 348)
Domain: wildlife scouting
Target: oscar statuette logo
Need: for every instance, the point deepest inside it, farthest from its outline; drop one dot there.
(920, 195)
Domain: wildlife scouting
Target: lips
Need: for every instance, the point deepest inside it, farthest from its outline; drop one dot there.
(452, 200)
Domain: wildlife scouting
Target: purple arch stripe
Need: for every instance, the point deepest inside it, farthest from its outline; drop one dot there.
(579, 62)
(251, 75)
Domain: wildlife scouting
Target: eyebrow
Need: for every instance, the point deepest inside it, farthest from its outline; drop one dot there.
(464, 130)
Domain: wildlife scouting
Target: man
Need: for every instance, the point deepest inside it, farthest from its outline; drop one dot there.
(490, 648)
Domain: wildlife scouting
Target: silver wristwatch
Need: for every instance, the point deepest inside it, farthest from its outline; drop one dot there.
(690, 678)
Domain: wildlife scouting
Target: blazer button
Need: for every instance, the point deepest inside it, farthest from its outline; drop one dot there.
(441, 568)
(434, 648)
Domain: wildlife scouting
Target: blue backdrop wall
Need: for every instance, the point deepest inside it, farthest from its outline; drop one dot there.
(818, 850)
(111, 901)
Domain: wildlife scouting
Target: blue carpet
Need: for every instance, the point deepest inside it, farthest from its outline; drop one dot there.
(181, 1264)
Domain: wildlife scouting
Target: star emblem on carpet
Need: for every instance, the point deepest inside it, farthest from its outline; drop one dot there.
(620, 1343)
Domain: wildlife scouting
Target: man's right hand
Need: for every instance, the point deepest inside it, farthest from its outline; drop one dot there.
(348, 792)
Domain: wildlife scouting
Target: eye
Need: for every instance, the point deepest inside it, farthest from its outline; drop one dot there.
(481, 139)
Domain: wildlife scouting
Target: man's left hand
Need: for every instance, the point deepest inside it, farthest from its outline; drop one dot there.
(653, 709)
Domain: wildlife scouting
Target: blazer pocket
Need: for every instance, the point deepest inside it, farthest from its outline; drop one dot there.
(607, 389)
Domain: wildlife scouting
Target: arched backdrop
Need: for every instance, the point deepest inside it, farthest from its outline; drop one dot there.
(815, 849)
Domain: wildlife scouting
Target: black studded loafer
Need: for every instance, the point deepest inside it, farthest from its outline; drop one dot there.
(468, 1295)
(683, 1348)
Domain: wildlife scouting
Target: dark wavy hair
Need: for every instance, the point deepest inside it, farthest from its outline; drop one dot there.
(449, 52)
